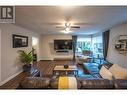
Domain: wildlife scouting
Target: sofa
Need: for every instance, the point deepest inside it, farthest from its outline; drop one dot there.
(102, 79)
(106, 70)
(52, 83)
(94, 68)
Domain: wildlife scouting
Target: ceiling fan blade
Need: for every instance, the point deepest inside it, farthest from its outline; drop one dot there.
(84, 23)
(51, 23)
(60, 27)
(75, 26)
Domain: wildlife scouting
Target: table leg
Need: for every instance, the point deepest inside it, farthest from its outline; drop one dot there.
(66, 72)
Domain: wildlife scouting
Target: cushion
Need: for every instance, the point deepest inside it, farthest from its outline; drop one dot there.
(34, 72)
(105, 73)
(118, 71)
(96, 84)
(35, 82)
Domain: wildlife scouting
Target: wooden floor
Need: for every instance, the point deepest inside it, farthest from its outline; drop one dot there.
(46, 69)
(14, 83)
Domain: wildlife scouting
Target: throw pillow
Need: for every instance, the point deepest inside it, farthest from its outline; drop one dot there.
(105, 73)
(118, 71)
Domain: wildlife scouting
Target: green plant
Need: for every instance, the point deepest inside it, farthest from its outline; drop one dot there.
(26, 57)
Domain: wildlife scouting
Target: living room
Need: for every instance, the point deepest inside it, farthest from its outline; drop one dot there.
(44, 30)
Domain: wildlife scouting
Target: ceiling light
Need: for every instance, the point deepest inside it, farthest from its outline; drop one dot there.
(67, 29)
(66, 32)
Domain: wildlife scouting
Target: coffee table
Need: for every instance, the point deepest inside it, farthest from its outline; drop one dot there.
(60, 70)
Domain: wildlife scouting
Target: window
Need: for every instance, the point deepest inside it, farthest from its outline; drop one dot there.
(97, 46)
(83, 43)
(93, 43)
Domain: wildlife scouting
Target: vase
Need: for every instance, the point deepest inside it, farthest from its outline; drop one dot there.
(26, 68)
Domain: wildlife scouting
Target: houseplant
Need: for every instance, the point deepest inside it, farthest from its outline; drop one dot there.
(26, 58)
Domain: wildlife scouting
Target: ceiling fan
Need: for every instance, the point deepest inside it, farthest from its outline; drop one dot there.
(68, 26)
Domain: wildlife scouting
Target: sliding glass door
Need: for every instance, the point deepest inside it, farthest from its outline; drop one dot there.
(91, 43)
(83, 43)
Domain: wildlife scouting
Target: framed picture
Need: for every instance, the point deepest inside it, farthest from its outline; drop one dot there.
(19, 41)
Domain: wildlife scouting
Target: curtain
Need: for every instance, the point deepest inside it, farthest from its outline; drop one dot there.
(105, 37)
(74, 42)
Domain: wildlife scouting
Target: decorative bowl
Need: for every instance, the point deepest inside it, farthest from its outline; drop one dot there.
(66, 66)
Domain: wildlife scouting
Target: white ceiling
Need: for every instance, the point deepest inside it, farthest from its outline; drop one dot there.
(41, 18)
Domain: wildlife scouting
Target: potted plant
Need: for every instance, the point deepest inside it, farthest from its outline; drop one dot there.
(26, 58)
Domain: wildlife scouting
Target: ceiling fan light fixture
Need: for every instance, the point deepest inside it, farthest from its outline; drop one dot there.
(67, 29)
(66, 32)
(67, 24)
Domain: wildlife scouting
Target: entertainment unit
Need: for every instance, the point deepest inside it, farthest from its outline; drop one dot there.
(61, 51)
(62, 46)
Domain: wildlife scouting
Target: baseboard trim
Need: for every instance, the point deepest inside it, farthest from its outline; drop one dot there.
(47, 59)
(62, 59)
(5, 81)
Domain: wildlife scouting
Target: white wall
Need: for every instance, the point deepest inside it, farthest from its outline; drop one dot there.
(47, 47)
(10, 65)
(113, 55)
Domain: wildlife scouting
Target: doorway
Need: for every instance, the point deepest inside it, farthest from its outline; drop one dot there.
(36, 47)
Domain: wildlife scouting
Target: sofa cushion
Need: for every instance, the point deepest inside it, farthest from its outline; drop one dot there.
(96, 84)
(35, 82)
(105, 73)
(118, 72)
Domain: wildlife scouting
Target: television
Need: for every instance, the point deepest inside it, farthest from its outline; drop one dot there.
(62, 44)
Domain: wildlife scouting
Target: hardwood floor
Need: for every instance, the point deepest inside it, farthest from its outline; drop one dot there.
(14, 83)
(46, 69)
